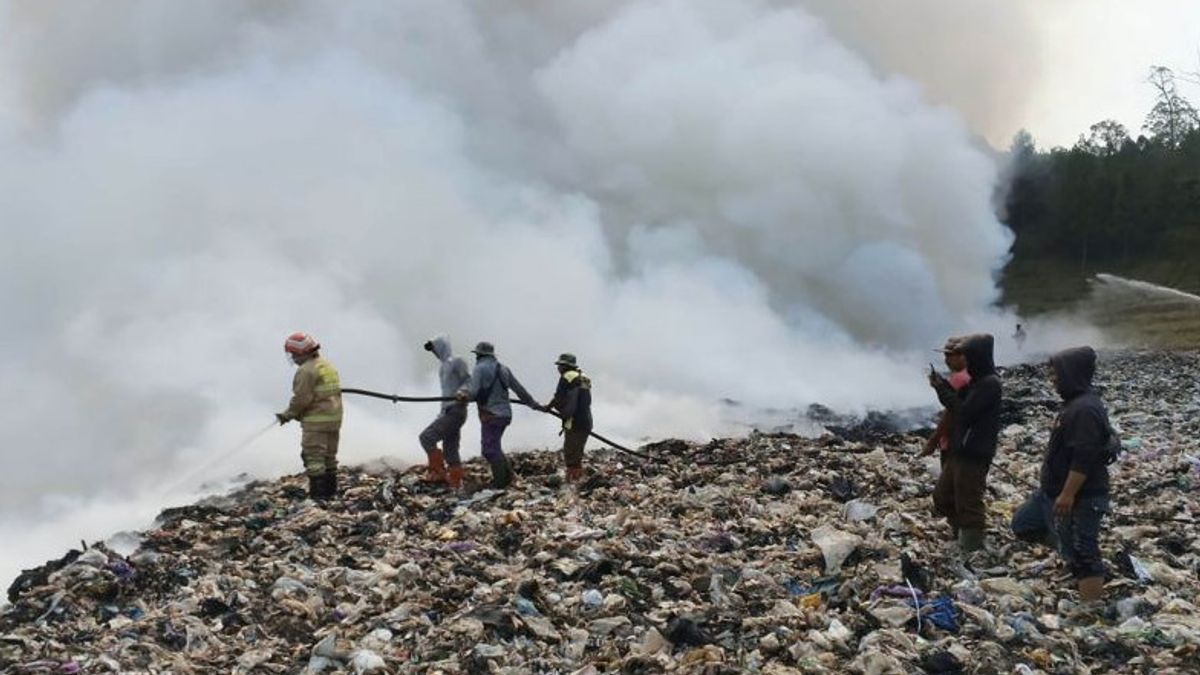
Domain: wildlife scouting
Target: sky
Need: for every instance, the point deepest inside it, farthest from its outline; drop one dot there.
(1095, 58)
(1054, 67)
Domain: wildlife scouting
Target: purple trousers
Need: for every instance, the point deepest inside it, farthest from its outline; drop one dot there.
(492, 431)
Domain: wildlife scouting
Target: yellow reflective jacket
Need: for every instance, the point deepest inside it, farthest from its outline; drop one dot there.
(316, 396)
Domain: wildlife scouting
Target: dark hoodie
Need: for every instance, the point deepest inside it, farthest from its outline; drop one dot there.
(1081, 431)
(976, 407)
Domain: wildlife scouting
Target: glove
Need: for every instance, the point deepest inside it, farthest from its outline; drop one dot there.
(283, 419)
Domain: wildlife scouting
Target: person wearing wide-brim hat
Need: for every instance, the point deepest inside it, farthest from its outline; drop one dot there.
(488, 387)
(573, 401)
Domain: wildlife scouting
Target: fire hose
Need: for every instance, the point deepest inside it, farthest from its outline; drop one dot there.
(443, 399)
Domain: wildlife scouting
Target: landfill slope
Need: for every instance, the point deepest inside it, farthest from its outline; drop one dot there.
(769, 553)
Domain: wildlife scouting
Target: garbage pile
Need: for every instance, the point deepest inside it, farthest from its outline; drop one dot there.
(771, 553)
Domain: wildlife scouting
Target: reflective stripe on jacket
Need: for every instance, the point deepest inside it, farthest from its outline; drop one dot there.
(573, 400)
(316, 396)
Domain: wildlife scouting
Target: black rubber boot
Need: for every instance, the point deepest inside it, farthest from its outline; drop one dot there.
(502, 474)
(331, 486)
(316, 487)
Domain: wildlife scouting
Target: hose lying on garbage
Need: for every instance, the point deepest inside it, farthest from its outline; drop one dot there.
(442, 399)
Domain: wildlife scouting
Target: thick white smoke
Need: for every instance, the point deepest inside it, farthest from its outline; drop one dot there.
(703, 199)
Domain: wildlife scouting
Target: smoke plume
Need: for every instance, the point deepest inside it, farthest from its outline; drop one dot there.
(703, 199)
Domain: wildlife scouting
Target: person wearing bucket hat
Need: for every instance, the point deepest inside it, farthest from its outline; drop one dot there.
(573, 401)
(488, 387)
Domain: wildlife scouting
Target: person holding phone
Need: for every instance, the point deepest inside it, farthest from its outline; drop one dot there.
(959, 378)
(973, 432)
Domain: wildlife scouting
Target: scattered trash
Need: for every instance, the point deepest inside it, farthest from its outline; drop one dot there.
(776, 485)
(767, 553)
(857, 510)
(592, 599)
(835, 545)
(941, 663)
(941, 613)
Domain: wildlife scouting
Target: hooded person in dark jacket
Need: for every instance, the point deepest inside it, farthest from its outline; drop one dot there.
(1069, 504)
(974, 430)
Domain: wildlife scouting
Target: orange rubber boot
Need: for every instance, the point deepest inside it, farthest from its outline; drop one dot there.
(455, 477)
(436, 471)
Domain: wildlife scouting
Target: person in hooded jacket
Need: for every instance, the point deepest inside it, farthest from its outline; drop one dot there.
(974, 411)
(488, 387)
(446, 428)
(1067, 508)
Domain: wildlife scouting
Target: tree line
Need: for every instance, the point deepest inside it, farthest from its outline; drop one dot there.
(1111, 198)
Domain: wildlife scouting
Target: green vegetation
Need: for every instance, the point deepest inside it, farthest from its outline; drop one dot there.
(1111, 203)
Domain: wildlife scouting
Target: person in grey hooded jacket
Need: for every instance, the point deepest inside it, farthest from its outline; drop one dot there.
(447, 427)
(488, 387)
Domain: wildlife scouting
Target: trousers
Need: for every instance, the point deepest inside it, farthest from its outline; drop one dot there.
(958, 495)
(318, 451)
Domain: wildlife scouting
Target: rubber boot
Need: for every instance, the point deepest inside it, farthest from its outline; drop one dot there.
(454, 478)
(970, 539)
(315, 486)
(574, 474)
(502, 474)
(331, 485)
(435, 472)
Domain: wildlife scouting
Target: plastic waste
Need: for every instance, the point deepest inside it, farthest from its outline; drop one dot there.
(835, 546)
(592, 599)
(857, 510)
(684, 564)
(941, 613)
(525, 607)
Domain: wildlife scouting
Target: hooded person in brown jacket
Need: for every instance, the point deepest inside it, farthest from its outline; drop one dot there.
(317, 403)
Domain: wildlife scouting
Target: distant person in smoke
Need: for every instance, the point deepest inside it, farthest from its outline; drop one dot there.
(1019, 336)
(445, 463)
(1067, 508)
(488, 388)
(573, 401)
(974, 429)
(317, 403)
(959, 378)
